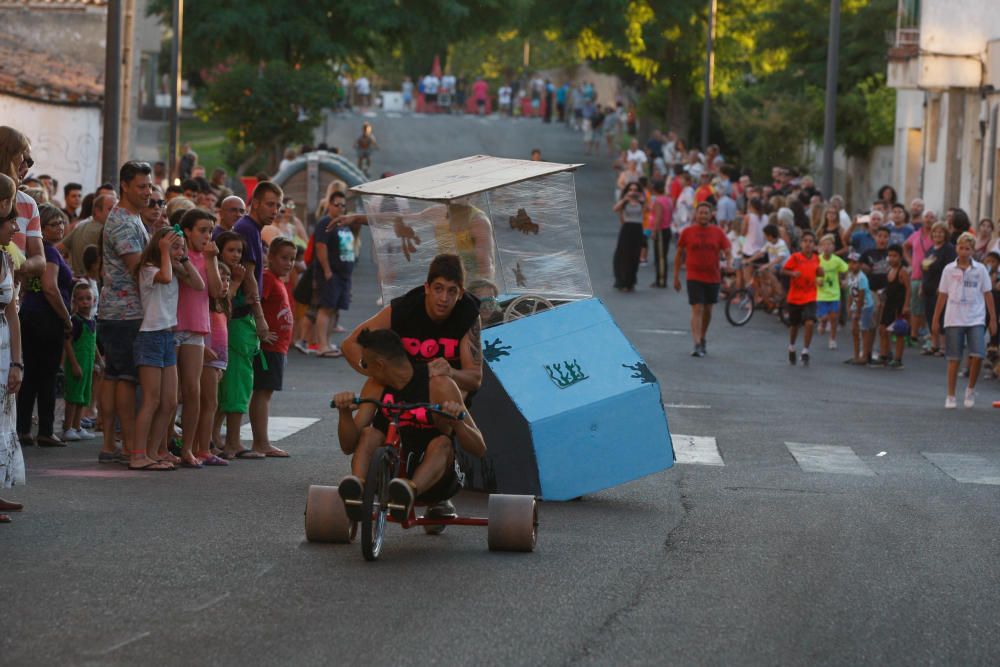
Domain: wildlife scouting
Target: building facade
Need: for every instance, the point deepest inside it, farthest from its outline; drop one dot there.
(944, 62)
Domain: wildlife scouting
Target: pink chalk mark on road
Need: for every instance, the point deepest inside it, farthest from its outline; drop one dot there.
(80, 472)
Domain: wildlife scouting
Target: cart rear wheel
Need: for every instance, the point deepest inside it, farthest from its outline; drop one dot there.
(513, 522)
(525, 305)
(326, 520)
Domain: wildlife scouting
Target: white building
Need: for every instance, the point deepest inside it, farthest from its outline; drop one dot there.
(945, 65)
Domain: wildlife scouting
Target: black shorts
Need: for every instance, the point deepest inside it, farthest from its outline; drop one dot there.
(801, 313)
(702, 293)
(272, 378)
(334, 293)
(431, 98)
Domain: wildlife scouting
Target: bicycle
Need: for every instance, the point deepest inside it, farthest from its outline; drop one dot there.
(741, 303)
(512, 520)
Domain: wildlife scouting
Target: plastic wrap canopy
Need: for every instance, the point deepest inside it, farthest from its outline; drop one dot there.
(514, 223)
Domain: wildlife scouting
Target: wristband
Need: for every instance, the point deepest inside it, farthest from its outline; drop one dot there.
(17, 364)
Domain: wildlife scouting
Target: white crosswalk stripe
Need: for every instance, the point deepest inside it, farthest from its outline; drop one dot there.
(279, 428)
(966, 468)
(828, 459)
(696, 449)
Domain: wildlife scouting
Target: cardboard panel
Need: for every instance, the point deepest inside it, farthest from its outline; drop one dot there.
(602, 445)
(509, 465)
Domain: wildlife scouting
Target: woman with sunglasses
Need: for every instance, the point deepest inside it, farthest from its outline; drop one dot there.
(45, 321)
(15, 161)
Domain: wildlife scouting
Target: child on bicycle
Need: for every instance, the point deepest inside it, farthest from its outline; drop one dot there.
(769, 261)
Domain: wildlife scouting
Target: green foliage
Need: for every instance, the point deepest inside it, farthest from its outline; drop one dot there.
(767, 129)
(265, 108)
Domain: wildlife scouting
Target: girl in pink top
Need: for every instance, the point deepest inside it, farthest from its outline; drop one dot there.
(193, 325)
(216, 357)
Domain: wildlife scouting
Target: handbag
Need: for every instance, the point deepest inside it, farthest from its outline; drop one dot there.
(303, 291)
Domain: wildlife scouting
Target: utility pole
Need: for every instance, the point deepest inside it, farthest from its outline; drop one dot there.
(125, 148)
(176, 44)
(709, 73)
(830, 117)
(112, 94)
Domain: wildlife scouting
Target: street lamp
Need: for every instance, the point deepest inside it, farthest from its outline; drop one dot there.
(709, 73)
(176, 43)
(830, 116)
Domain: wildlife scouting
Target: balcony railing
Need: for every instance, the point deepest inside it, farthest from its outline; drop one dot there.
(904, 42)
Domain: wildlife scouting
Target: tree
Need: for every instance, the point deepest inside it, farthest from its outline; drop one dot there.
(260, 116)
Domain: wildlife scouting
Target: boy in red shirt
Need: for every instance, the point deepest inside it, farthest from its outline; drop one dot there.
(803, 268)
(699, 247)
(269, 365)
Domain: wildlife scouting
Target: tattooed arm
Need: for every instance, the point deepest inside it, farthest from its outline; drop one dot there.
(470, 375)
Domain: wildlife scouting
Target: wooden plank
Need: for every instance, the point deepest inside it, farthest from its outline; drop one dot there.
(461, 178)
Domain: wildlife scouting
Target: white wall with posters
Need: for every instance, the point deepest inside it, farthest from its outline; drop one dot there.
(65, 140)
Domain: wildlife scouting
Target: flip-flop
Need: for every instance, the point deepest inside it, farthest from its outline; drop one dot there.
(330, 354)
(250, 454)
(276, 454)
(214, 460)
(188, 464)
(4, 518)
(151, 467)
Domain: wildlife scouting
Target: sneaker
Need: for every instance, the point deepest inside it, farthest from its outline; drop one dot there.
(401, 498)
(85, 434)
(697, 351)
(950, 403)
(964, 373)
(351, 490)
(805, 358)
(88, 423)
(895, 364)
(791, 357)
(71, 435)
(301, 346)
(970, 398)
(442, 510)
(832, 345)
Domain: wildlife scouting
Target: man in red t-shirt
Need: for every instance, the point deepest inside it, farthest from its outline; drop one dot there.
(803, 268)
(269, 365)
(699, 247)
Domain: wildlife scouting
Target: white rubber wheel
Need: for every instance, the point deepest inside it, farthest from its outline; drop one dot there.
(513, 522)
(326, 520)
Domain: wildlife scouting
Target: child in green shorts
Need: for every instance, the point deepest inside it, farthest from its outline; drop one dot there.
(81, 353)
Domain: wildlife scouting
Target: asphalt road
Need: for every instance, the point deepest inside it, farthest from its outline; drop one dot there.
(881, 551)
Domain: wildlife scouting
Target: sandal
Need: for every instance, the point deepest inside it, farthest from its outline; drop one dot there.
(153, 466)
(332, 353)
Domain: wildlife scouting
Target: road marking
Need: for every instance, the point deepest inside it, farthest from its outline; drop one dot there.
(279, 428)
(687, 406)
(122, 644)
(211, 603)
(665, 332)
(966, 468)
(696, 449)
(829, 459)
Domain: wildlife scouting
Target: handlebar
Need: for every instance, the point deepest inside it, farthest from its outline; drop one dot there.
(404, 407)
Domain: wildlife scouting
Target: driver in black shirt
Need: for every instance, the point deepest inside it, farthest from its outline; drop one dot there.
(438, 323)
(426, 437)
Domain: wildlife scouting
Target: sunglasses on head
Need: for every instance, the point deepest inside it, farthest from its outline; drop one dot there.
(28, 161)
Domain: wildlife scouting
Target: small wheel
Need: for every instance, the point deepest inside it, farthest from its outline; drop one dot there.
(739, 307)
(375, 508)
(525, 305)
(513, 522)
(326, 520)
(434, 530)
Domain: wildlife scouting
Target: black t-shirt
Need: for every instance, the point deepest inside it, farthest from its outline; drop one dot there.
(878, 260)
(425, 339)
(943, 256)
(334, 248)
